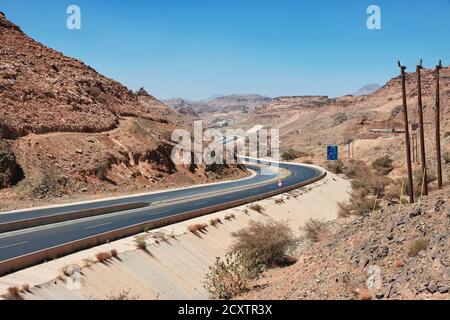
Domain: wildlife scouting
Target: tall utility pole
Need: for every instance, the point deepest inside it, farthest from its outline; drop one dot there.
(421, 128)
(353, 149)
(438, 127)
(407, 141)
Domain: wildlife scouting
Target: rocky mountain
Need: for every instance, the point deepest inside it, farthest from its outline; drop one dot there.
(366, 90)
(183, 107)
(221, 108)
(67, 131)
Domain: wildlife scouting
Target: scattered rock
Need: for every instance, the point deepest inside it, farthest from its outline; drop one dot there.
(383, 252)
(432, 288)
(438, 205)
(379, 295)
(443, 290)
(416, 212)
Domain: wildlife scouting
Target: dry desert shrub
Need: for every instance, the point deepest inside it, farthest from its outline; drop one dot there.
(335, 167)
(383, 165)
(114, 253)
(313, 229)
(291, 154)
(257, 247)
(228, 277)
(279, 201)
(264, 244)
(360, 204)
(365, 179)
(354, 169)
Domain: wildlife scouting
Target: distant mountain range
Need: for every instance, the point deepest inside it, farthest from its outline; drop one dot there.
(367, 89)
(218, 107)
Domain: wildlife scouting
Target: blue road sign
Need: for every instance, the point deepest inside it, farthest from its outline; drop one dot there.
(332, 153)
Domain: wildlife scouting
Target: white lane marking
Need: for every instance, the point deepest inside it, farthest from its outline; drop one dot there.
(155, 213)
(14, 245)
(98, 225)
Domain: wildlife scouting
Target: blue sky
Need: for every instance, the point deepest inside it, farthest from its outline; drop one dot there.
(197, 48)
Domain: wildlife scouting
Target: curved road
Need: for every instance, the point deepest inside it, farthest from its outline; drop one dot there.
(21, 242)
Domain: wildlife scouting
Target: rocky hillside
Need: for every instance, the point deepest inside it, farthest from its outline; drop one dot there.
(393, 253)
(182, 107)
(308, 124)
(68, 132)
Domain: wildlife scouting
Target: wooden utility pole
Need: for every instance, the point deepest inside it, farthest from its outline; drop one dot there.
(407, 141)
(438, 127)
(353, 149)
(423, 158)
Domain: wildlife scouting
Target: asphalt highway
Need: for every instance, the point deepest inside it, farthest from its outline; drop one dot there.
(16, 243)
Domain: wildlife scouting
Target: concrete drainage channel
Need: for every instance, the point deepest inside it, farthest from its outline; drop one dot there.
(37, 257)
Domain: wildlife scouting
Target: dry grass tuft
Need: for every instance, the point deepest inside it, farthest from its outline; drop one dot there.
(257, 207)
(25, 287)
(103, 256)
(215, 222)
(230, 216)
(344, 210)
(196, 228)
(124, 295)
(417, 245)
(279, 200)
(140, 242)
(88, 262)
(13, 293)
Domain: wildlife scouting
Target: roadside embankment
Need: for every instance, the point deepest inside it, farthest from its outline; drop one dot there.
(174, 262)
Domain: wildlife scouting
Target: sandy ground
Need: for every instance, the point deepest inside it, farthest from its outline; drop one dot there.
(176, 261)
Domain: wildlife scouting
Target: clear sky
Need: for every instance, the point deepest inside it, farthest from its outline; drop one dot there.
(197, 48)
